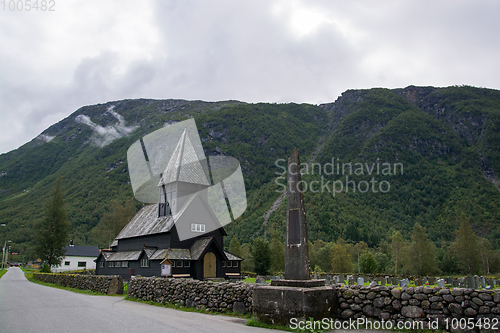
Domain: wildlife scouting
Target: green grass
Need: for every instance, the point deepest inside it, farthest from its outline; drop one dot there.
(252, 280)
(30, 277)
(255, 323)
(178, 306)
(2, 272)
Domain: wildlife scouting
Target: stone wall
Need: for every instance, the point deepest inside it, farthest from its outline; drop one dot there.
(209, 295)
(416, 303)
(98, 283)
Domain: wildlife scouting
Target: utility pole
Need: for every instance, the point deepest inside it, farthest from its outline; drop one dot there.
(3, 254)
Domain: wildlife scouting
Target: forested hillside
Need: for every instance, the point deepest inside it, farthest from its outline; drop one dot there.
(431, 154)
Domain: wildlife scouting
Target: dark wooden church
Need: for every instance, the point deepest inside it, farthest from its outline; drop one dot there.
(178, 237)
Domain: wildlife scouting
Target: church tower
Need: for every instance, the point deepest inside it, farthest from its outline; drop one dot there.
(183, 176)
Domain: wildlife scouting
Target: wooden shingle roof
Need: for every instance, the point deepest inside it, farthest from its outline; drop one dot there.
(146, 222)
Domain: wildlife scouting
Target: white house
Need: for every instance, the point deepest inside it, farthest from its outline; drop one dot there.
(78, 257)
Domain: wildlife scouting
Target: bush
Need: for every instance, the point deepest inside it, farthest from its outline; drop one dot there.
(45, 269)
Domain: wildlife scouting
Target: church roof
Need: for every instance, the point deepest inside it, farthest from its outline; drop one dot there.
(184, 165)
(199, 246)
(231, 256)
(179, 254)
(124, 255)
(146, 222)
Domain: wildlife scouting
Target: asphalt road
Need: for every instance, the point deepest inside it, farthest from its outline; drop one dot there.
(29, 307)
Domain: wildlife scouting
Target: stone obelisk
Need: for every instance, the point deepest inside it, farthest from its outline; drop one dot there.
(297, 296)
(296, 252)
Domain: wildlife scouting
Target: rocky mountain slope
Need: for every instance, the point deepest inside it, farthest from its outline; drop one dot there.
(446, 139)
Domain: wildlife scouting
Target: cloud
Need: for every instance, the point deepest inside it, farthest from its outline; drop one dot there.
(46, 138)
(103, 136)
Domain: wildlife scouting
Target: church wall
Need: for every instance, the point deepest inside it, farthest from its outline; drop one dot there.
(161, 241)
(175, 243)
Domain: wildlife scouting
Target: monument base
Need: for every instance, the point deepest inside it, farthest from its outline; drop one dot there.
(298, 283)
(279, 304)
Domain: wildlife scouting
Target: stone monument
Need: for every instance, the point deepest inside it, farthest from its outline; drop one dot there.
(296, 296)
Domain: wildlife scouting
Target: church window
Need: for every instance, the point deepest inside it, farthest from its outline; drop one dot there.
(197, 227)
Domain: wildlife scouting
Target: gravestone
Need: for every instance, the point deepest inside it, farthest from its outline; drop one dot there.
(260, 280)
(462, 283)
(432, 281)
(394, 281)
(361, 281)
(383, 282)
(350, 280)
(454, 283)
(418, 282)
(342, 278)
(403, 283)
(476, 282)
(296, 296)
(449, 280)
(424, 280)
(482, 281)
(469, 281)
(440, 283)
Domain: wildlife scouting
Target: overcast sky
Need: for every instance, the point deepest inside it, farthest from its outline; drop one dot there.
(93, 51)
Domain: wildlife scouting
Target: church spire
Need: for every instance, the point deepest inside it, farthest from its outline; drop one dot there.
(184, 165)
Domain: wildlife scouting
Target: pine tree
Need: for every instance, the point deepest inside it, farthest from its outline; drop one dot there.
(246, 254)
(341, 262)
(261, 256)
(368, 263)
(487, 255)
(324, 257)
(234, 246)
(53, 232)
(421, 254)
(397, 243)
(277, 253)
(356, 253)
(467, 248)
(112, 222)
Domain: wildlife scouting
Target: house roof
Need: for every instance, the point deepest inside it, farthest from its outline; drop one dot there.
(81, 251)
(125, 255)
(184, 165)
(146, 222)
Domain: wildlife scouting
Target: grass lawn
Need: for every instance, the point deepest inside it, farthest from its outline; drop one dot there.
(2, 272)
(252, 280)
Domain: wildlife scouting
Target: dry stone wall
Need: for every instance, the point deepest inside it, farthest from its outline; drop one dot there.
(208, 295)
(417, 303)
(98, 283)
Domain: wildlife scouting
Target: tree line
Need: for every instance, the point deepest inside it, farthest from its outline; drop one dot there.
(416, 255)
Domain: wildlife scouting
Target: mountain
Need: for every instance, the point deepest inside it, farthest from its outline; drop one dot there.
(430, 154)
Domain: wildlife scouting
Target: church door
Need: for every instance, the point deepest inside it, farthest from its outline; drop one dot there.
(209, 265)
